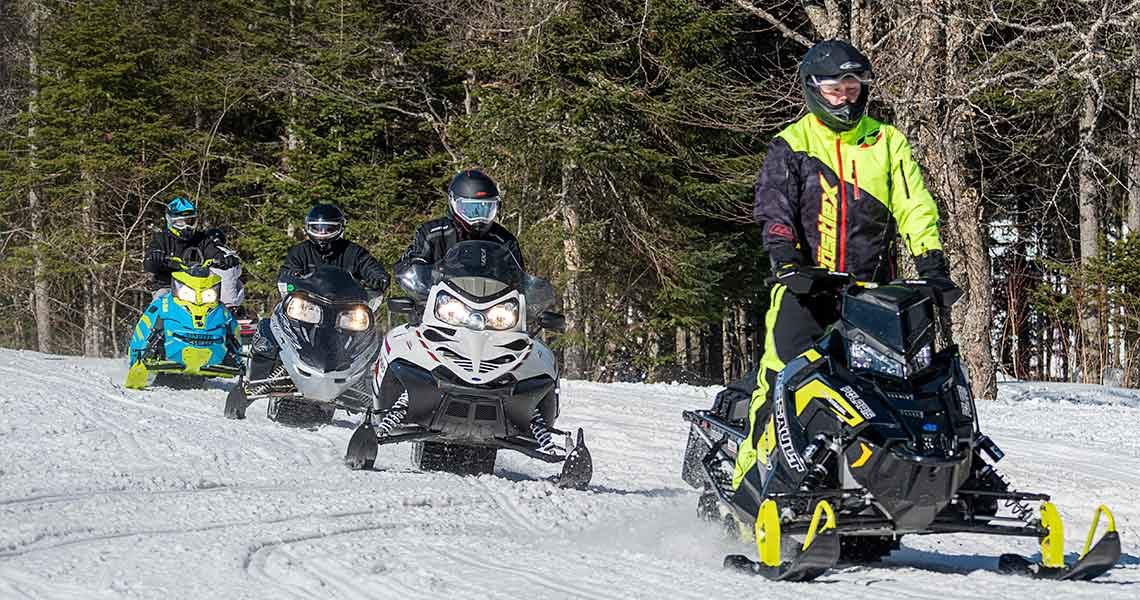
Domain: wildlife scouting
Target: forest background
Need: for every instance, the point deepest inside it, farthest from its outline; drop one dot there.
(625, 135)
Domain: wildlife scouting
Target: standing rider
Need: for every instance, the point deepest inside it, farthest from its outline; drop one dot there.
(472, 204)
(324, 245)
(836, 189)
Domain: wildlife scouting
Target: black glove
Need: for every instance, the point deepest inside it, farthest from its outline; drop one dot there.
(932, 267)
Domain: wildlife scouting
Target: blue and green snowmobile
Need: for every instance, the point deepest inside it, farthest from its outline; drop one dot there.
(187, 331)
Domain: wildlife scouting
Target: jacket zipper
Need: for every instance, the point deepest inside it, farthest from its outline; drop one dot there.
(842, 208)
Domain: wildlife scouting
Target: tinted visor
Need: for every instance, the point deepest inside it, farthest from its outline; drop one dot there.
(324, 230)
(475, 210)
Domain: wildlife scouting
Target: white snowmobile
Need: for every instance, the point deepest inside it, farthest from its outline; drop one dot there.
(468, 378)
(328, 344)
(873, 435)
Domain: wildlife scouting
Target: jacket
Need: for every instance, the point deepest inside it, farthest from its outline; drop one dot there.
(165, 245)
(434, 238)
(305, 257)
(840, 200)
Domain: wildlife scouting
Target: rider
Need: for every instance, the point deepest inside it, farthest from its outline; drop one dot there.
(835, 191)
(182, 240)
(472, 204)
(324, 245)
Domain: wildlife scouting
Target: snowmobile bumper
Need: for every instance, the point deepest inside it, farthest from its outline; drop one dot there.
(492, 415)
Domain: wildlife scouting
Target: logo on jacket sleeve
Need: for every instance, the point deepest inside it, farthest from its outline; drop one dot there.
(828, 210)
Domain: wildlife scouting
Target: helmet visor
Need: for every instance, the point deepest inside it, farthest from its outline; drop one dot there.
(475, 210)
(324, 230)
(847, 82)
(182, 222)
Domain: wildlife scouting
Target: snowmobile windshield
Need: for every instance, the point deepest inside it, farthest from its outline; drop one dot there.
(481, 269)
(539, 296)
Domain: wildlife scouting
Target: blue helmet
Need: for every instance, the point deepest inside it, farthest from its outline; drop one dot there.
(181, 217)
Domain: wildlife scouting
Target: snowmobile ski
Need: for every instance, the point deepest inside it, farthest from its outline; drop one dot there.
(817, 555)
(236, 401)
(362, 446)
(136, 377)
(578, 468)
(1094, 560)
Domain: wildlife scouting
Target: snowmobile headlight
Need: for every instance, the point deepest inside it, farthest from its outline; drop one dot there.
(503, 316)
(210, 296)
(866, 357)
(184, 292)
(354, 319)
(302, 309)
(451, 310)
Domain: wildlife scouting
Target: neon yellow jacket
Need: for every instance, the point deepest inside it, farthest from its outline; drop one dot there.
(808, 218)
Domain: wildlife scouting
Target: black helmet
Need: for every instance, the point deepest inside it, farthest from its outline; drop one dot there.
(472, 201)
(827, 62)
(324, 224)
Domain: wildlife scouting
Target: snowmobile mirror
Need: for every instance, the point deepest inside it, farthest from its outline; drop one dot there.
(401, 305)
(552, 321)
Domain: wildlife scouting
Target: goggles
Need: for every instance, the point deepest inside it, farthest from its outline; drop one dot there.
(182, 222)
(833, 85)
(475, 210)
(323, 230)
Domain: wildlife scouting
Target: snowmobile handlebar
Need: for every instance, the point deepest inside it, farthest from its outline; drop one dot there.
(811, 281)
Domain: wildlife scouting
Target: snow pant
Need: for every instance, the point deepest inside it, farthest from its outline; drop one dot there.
(263, 350)
(792, 325)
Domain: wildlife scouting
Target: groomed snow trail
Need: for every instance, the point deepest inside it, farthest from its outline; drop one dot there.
(110, 493)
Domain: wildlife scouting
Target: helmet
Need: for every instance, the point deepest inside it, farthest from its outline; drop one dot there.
(827, 63)
(324, 224)
(181, 217)
(472, 201)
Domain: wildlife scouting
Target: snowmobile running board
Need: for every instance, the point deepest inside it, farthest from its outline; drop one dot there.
(577, 464)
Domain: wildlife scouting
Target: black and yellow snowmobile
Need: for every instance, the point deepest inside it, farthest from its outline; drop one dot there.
(873, 435)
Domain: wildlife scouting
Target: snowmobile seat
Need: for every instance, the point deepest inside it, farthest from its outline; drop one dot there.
(731, 404)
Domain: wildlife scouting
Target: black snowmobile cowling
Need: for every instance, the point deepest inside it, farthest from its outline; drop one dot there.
(875, 429)
(343, 321)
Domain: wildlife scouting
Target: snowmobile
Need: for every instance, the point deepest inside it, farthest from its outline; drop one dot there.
(328, 343)
(186, 332)
(873, 435)
(467, 377)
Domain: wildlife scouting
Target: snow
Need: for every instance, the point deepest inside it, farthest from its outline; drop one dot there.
(110, 493)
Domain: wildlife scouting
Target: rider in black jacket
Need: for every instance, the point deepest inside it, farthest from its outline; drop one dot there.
(324, 245)
(472, 204)
(181, 239)
(324, 228)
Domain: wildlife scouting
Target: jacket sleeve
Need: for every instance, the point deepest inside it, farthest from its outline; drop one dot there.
(515, 249)
(419, 251)
(157, 259)
(911, 203)
(776, 208)
(295, 263)
(368, 270)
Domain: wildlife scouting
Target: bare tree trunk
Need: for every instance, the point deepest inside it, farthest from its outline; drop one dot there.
(1091, 347)
(726, 361)
(572, 258)
(826, 19)
(93, 305)
(680, 348)
(742, 332)
(41, 307)
(1132, 217)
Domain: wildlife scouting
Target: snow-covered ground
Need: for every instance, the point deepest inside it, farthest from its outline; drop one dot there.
(153, 494)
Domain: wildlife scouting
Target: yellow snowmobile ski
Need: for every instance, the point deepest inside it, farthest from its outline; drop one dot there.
(1094, 560)
(818, 553)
